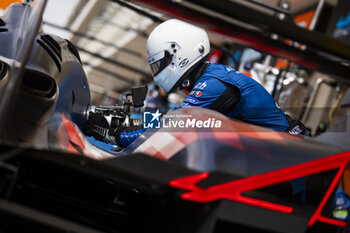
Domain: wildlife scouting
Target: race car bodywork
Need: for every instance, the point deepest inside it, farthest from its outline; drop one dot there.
(251, 179)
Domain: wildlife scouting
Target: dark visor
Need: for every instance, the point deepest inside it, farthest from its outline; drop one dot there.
(158, 66)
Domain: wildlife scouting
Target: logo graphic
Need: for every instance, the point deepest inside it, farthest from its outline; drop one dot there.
(185, 104)
(201, 85)
(229, 68)
(183, 62)
(191, 123)
(191, 100)
(343, 21)
(277, 105)
(198, 94)
(151, 120)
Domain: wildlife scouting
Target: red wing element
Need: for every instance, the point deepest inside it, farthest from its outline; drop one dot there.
(73, 136)
(233, 190)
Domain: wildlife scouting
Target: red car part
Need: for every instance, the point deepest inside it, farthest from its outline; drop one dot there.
(233, 190)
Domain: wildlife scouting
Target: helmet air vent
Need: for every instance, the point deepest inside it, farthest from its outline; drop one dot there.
(2, 23)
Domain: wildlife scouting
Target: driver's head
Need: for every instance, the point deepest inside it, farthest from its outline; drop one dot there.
(173, 48)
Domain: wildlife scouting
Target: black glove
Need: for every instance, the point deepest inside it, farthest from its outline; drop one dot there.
(296, 127)
(97, 126)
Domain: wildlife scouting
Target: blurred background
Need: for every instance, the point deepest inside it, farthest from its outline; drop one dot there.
(111, 38)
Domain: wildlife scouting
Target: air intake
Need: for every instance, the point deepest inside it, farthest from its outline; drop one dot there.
(53, 45)
(2, 22)
(39, 84)
(3, 70)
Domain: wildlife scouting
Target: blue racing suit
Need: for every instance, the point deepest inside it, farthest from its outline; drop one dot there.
(236, 95)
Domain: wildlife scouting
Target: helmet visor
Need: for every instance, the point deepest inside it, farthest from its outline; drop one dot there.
(162, 61)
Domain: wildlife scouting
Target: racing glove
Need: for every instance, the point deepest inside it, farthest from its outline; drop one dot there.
(296, 127)
(98, 127)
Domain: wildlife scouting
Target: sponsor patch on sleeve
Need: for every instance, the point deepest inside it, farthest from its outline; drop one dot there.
(191, 100)
(201, 85)
(198, 94)
(184, 105)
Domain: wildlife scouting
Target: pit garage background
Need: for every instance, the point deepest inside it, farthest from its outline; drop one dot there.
(111, 38)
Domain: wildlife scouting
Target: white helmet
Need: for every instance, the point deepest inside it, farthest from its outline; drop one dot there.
(173, 48)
